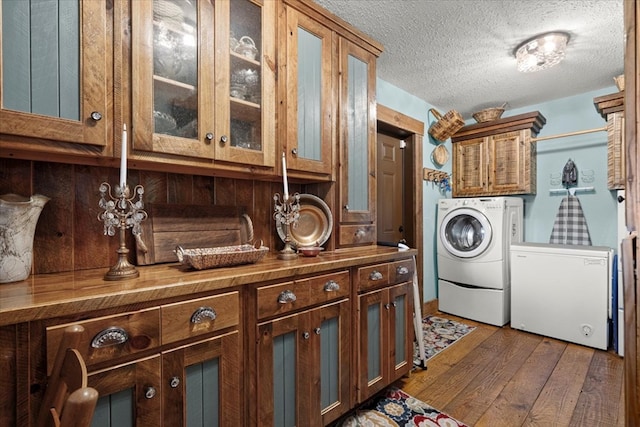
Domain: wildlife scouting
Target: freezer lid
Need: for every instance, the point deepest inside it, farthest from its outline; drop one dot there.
(547, 248)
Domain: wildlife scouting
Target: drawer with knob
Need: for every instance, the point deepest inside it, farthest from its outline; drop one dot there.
(287, 297)
(375, 276)
(192, 318)
(110, 337)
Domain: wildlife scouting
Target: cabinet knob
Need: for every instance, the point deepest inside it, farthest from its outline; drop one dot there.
(395, 304)
(331, 286)
(286, 297)
(387, 306)
(209, 136)
(203, 313)
(149, 392)
(111, 336)
(175, 382)
(96, 115)
(317, 331)
(375, 275)
(294, 151)
(223, 139)
(305, 335)
(402, 270)
(346, 207)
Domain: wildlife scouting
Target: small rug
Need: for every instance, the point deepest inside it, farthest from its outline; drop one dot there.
(439, 333)
(396, 408)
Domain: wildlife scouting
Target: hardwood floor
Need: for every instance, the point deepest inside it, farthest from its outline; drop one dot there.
(505, 377)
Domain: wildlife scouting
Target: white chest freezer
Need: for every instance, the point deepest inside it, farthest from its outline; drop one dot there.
(562, 291)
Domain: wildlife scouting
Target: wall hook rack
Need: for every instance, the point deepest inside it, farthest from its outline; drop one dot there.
(434, 175)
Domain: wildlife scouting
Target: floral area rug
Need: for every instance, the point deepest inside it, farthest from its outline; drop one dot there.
(396, 408)
(439, 333)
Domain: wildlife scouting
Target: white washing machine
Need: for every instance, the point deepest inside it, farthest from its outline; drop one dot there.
(474, 236)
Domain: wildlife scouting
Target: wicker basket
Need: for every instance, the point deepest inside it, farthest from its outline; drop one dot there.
(619, 80)
(488, 114)
(224, 256)
(446, 125)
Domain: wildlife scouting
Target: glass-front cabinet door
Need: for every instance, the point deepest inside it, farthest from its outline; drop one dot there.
(307, 95)
(172, 77)
(201, 75)
(54, 70)
(357, 139)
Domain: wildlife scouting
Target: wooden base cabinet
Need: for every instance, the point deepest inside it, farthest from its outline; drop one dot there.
(386, 338)
(129, 394)
(303, 355)
(201, 383)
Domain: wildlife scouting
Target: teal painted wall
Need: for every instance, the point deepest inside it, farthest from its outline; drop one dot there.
(588, 151)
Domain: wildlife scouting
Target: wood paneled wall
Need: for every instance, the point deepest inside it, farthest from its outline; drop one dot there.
(69, 235)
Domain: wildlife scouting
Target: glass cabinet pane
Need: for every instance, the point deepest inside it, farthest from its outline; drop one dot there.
(41, 57)
(358, 140)
(175, 65)
(245, 90)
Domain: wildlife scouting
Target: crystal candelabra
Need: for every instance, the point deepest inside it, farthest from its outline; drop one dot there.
(287, 213)
(121, 212)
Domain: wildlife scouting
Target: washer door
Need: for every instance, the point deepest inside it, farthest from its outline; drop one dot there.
(465, 233)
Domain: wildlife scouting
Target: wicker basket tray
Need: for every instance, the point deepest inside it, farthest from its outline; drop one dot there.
(488, 114)
(224, 256)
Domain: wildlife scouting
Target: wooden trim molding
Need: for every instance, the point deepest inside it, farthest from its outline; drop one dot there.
(632, 285)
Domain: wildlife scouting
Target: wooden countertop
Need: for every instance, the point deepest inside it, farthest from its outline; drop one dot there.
(52, 295)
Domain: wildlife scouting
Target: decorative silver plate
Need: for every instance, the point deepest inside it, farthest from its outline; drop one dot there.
(314, 224)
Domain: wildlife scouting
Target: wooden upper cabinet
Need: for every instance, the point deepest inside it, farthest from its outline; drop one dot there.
(357, 134)
(203, 79)
(611, 108)
(55, 66)
(306, 92)
(497, 157)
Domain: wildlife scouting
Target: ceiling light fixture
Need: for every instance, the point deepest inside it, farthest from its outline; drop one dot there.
(541, 52)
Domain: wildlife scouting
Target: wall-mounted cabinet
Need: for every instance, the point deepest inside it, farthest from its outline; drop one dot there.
(56, 75)
(357, 124)
(611, 108)
(203, 80)
(496, 158)
(308, 64)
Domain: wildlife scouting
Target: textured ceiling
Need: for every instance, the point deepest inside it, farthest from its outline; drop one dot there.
(459, 53)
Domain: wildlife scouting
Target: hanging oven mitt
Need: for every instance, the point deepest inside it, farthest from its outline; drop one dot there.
(569, 174)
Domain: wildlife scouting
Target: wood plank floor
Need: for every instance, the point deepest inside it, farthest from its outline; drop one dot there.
(505, 377)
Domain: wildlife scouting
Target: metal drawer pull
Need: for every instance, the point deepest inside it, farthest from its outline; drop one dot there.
(175, 382)
(402, 270)
(203, 313)
(375, 275)
(111, 336)
(149, 392)
(331, 286)
(286, 297)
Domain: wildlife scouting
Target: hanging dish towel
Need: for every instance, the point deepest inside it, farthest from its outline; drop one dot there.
(570, 226)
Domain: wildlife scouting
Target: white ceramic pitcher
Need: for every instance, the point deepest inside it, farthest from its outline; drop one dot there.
(18, 218)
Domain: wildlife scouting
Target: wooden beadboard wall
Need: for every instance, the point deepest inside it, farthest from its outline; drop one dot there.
(69, 235)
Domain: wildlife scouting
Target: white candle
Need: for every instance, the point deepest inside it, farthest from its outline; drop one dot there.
(123, 159)
(284, 177)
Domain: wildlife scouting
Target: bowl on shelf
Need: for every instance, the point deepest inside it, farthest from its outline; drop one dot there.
(488, 114)
(310, 251)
